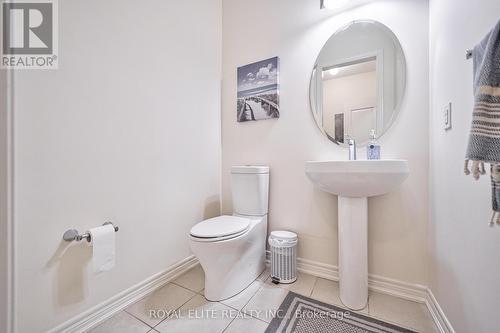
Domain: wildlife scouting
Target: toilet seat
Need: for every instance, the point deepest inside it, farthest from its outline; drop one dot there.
(220, 228)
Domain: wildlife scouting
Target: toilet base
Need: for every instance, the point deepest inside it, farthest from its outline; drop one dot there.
(232, 265)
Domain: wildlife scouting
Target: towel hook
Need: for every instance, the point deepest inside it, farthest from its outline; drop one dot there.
(73, 234)
(468, 54)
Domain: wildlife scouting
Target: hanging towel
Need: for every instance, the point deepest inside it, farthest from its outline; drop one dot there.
(484, 140)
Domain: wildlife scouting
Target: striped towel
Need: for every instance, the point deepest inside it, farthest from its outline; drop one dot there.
(484, 141)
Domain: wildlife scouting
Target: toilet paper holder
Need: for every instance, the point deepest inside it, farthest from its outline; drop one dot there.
(73, 234)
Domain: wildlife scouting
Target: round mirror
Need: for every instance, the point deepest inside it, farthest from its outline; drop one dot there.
(358, 82)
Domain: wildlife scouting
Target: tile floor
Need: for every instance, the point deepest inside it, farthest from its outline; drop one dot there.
(181, 307)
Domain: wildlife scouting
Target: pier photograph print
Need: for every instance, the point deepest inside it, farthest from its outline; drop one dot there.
(258, 91)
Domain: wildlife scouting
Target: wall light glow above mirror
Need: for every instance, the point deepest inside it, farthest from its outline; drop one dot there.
(333, 4)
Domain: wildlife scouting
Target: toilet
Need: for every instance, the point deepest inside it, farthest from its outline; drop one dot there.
(231, 249)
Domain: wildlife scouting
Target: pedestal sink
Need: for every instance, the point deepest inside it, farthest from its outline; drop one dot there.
(353, 182)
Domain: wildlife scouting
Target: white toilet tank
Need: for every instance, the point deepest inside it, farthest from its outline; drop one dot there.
(250, 189)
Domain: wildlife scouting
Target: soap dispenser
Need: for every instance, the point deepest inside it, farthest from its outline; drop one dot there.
(373, 148)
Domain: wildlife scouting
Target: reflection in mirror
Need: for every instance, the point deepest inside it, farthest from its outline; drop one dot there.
(350, 97)
(360, 82)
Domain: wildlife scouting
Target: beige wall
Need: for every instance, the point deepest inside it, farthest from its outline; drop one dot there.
(465, 268)
(128, 130)
(346, 93)
(296, 30)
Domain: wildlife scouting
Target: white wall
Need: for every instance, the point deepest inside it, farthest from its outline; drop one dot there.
(128, 130)
(465, 268)
(4, 202)
(296, 30)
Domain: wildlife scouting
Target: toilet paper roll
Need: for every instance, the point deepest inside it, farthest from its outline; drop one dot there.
(103, 247)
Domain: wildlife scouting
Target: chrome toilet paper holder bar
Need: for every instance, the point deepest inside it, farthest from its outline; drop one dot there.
(73, 235)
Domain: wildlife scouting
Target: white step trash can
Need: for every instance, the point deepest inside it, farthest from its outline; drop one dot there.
(283, 246)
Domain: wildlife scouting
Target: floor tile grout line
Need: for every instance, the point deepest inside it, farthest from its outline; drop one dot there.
(253, 295)
(241, 313)
(289, 286)
(198, 293)
(232, 307)
(368, 304)
(225, 328)
(241, 310)
(233, 319)
(139, 319)
(249, 314)
(340, 305)
(241, 292)
(130, 315)
(187, 288)
(389, 321)
(314, 286)
(260, 288)
(152, 294)
(258, 318)
(180, 306)
(244, 314)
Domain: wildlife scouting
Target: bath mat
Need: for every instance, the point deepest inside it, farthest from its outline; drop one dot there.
(300, 314)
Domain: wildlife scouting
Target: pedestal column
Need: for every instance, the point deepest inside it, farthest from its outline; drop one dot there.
(353, 251)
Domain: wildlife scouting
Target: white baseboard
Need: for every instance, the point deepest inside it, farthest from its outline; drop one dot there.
(318, 269)
(112, 306)
(392, 287)
(107, 309)
(442, 323)
(397, 288)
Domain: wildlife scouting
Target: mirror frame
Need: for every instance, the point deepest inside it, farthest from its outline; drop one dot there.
(397, 107)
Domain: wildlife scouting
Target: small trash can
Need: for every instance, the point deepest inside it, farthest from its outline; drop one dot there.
(283, 246)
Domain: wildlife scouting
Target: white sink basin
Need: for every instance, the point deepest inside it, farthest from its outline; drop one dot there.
(353, 182)
(359, 178)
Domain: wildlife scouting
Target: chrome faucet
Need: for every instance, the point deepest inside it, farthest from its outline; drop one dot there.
(352, 148)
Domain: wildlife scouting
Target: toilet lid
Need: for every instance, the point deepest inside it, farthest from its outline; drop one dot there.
(220, 226)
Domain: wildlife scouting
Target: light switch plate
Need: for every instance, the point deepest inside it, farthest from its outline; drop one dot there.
(447, 117)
